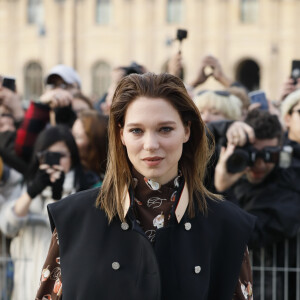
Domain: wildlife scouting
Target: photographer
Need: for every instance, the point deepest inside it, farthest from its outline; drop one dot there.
(261, 188)
(54, 172)
(56, 105)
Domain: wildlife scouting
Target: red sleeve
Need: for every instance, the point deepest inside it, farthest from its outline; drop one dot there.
(35, 120)
(50, 283)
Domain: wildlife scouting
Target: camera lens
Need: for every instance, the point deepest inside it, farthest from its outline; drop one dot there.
(238, 161)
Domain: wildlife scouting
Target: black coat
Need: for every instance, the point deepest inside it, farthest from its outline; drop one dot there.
(198, 258)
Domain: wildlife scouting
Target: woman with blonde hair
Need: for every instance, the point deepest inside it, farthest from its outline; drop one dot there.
(218, 105)
(153, 231)
(290, 113)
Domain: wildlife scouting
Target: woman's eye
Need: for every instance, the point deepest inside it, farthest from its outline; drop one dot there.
(136, 130)
(166, 129)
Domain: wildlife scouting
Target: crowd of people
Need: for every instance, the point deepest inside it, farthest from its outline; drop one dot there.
(59, 146)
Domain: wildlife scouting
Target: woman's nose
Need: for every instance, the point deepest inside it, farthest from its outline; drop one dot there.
(150, 142)
(205, 117)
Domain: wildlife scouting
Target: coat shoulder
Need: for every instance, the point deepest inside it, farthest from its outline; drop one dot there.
(74, 206)
(230, 215)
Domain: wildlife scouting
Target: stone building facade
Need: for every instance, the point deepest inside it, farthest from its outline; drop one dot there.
(256, 39)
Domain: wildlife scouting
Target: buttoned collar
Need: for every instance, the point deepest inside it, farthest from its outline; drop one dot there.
(181, 205)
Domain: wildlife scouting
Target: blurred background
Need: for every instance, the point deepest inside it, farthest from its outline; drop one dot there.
(255, 40)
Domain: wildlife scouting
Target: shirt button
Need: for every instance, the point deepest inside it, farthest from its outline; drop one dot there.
(197, 269)
(124, 226)
(187, 226)
(115, 265)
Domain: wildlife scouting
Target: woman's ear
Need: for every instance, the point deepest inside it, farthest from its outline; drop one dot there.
(187, 133)
(121, 136)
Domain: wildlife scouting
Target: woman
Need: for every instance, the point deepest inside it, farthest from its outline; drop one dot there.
(90, 133)
(153, 231)
(55, 172)
(290, 112)
(218, 105)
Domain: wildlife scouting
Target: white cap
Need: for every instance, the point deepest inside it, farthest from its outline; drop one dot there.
(68, 74)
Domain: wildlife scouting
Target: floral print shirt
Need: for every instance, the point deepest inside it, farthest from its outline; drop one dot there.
(153, 211)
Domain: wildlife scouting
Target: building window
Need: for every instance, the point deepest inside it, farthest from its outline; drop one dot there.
(35, 12)
(249, 11)
(100, 79)
(33, 81)
(103, 11)
(174, 11)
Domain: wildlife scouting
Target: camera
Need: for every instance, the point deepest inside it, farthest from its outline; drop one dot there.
(9, 83)
(243, 157)
(181, 34)
(50, 158)
(295, 73)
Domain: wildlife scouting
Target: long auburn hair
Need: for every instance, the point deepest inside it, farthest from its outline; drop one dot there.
(95, 127)
(196, 151)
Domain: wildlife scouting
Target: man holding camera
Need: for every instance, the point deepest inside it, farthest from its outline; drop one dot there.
(261, 187)
(248, 172)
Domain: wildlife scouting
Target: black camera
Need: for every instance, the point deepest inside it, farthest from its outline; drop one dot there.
(295, 73)
(9, 83)
(181, 34)
(243, 157)
(49, 157)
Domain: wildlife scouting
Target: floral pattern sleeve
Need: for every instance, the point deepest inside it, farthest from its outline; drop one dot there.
(50, 282)
(243, 290)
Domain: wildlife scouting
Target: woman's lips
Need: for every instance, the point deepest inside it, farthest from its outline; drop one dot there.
(152, 161)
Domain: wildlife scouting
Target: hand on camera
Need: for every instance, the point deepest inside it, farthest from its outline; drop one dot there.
(211, 62)
(12, 101)
(201, 75)
(239, 133)
(56, 98)
(223, 180)
(39, 183)
(47, 176)
(288, 87)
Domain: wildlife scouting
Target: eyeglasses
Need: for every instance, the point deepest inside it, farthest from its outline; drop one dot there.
(220, 93)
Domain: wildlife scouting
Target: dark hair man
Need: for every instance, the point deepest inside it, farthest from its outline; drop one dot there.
(262, 188)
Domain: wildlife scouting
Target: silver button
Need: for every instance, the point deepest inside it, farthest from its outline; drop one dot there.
(124, 226)
(115, 265)
(187, 226)
(197, 269)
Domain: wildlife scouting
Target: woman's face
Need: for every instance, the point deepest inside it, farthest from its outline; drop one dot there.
(81, 140)
(292, 122)
(153, 135)
(211, 114)
(65, 159)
